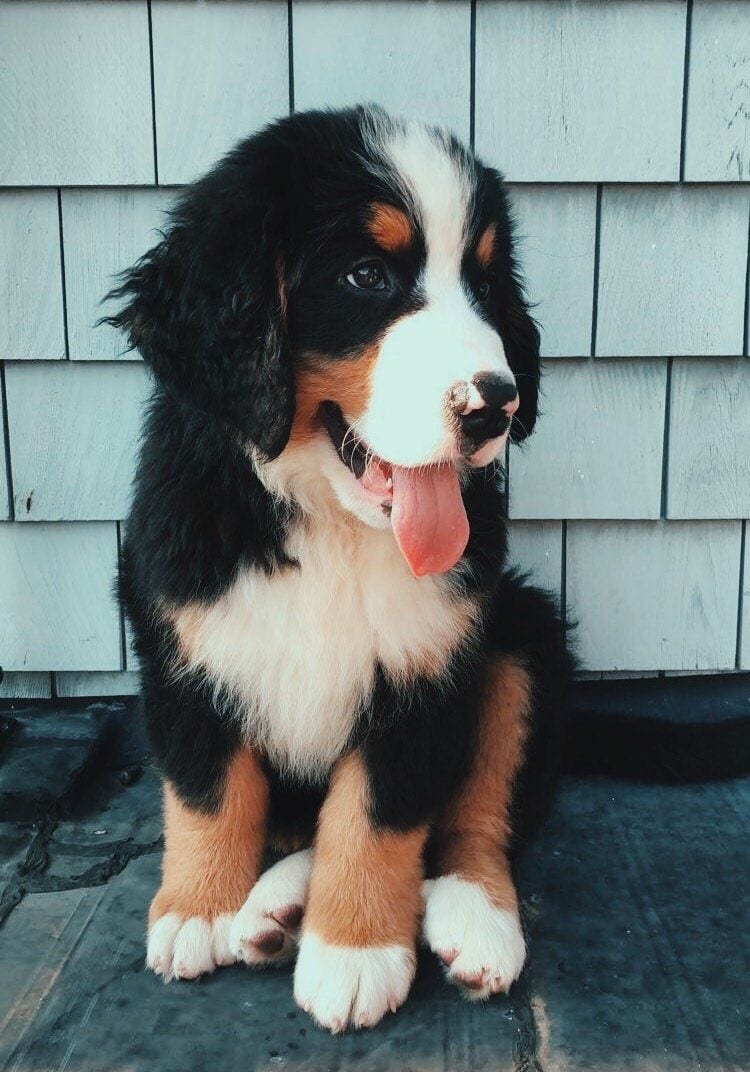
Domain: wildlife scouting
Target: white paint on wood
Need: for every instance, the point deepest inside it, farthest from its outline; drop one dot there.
(536, 547)
(580, 92)
(105, 231)
(75, 87)
(56, 588)
(32, 323)
(73, 437)
(672, 270)
(221, 71)
(102, 683)
(717, 142)
(556, 232)
(709, 439)
(658, 595)
(20, 686)
(597, 448)
(414, 59)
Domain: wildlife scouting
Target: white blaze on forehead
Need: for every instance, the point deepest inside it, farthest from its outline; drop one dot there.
(440, 189)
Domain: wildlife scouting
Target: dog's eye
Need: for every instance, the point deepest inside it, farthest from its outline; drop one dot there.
(367, 276)
(484, 290)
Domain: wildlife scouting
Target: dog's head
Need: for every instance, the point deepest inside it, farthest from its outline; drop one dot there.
(341, 291)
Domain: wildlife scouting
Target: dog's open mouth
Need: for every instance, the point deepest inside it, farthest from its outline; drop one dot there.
(424, 503)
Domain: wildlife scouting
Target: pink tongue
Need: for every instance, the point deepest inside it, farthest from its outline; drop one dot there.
(428, 517)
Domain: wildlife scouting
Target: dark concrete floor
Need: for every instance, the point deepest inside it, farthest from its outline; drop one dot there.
(635, 898)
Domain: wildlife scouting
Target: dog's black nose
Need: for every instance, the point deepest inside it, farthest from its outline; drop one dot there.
(489, 408)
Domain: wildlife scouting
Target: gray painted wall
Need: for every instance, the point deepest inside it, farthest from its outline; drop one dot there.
(624, 128)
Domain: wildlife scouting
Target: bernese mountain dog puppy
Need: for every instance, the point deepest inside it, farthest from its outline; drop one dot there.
(335, 659)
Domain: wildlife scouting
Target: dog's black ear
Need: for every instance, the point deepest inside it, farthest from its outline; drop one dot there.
(206, 307)
(520, 337)
(517, 328)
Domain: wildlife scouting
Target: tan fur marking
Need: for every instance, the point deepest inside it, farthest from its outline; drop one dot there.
(346, 382)
(486, 246)
(211, 861)
(474, 833)
(365, 886)
(390, 227)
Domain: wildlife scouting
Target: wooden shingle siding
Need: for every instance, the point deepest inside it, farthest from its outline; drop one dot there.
(113, 683)
(415, 59)
(709, 436)
(32, 324)
(672, 270)
(633, 217)
(717, 143)
(57, 581)
(536, 547)
(658, 595)
(597, 448)
(556, 230)
(580, 92)
(26, 686)
(75, 93)
(73, 436)
(105, 231)
(220, 72)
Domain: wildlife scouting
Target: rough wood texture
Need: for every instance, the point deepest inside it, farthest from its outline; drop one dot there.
(556, 228)
(220, 72)
(717, 144)
(73, 438)
(76, 92)
(580, 92)
(536, 546)
(32, 324)
(672, 270)
(597, 448)
(114, 683)
(57, 578)
(709, 439)
(412, 58)
(658, 595)
(105, 231)
(20, 686)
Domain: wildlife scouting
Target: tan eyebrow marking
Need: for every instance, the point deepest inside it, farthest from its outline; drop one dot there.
(486, 246)
(390, 227)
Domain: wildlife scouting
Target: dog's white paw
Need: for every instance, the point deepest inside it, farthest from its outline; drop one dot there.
(265, 929)
(186, 948)
(481, 946)
(344, 985)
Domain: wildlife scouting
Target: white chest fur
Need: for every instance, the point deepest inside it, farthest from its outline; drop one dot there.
(297, 652)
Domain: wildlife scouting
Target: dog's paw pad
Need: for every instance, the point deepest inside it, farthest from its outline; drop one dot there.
(265, 929)
(481, 946)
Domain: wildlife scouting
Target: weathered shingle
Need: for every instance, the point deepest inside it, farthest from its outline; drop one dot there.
(73, 438)
(412, 58)
(76, 91)
(596, 451)
(672, 270)
(580, 92)
(32, 324)
(58, 580)
(220, 72)
(658, 595)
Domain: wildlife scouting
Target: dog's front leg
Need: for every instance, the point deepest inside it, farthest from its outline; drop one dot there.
(357, 953)
(211, 859)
